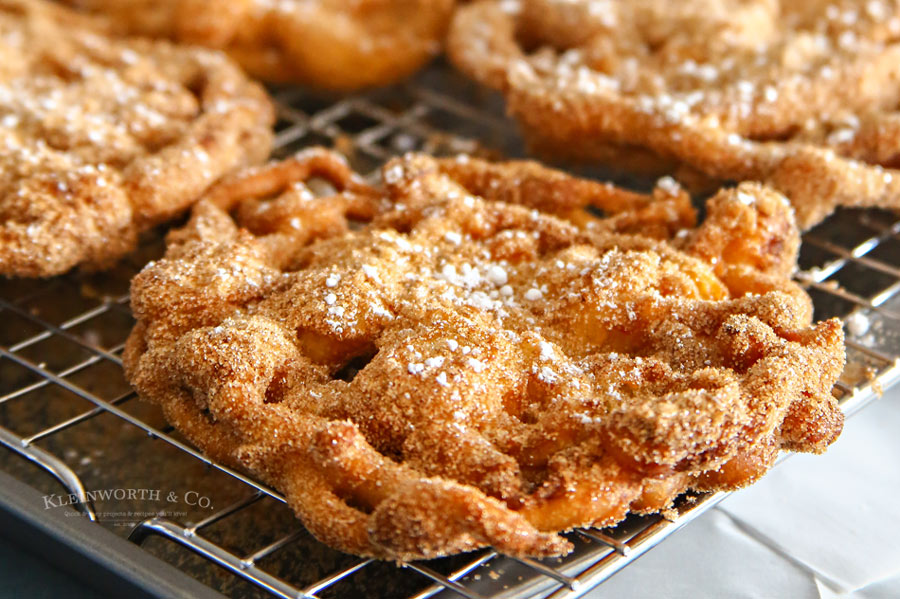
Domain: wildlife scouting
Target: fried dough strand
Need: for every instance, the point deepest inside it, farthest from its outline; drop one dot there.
(468, 355)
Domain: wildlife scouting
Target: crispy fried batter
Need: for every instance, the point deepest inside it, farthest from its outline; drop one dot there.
(467, 356)
(102, 139)
(332, 44)
(802, 95)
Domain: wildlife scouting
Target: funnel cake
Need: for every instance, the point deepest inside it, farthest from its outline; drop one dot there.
(468, 355)
(103, 138)
(802, 95)
(332, 44)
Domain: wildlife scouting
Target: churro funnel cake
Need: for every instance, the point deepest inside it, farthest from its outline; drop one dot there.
(468, 355)
(332, 44)
(801, 94)
(102, 138)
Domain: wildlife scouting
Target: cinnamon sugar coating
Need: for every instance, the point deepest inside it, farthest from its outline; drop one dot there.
(466, 355)
(102, 138)
(801, 95)
(331, 44)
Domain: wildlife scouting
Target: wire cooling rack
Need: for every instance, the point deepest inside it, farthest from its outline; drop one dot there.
(67, 412)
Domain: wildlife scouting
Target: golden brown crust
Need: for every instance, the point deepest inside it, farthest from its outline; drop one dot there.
(105, 138)
(466, 356)
(331, 44)
(801, 95)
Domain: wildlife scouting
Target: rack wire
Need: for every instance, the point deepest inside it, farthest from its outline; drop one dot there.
(67, 412)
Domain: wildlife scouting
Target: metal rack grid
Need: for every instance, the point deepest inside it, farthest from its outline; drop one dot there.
(61, 340)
